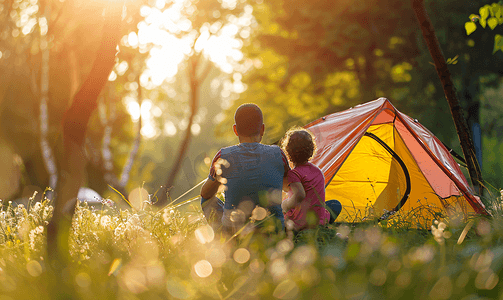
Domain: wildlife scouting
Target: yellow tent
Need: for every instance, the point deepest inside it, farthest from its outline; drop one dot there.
(380, 163)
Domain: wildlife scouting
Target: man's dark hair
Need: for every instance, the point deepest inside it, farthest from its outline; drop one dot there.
(249, 119)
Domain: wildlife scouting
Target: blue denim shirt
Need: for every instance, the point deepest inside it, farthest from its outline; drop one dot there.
(255, 171)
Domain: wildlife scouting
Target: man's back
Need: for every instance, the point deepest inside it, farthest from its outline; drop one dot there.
(255, 173)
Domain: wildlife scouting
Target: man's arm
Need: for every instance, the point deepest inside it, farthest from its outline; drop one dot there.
(210, 187)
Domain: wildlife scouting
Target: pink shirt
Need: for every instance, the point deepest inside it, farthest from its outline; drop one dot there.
(313, 181)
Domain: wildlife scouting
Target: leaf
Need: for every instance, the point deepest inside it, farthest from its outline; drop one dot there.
(498, 40)
(123, 198)
(484, 12)
(465, 231)
(492, 22)
(498, 43)
(470, 27)
(483, 23)
(115, 266)
(452, 61)
(495, 9)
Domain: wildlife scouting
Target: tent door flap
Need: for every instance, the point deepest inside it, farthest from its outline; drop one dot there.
(402, 165)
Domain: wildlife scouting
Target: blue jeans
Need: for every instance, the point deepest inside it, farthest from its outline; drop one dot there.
(334, 208)
(213, 209)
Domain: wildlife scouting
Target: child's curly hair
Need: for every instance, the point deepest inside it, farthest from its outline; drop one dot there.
(299, 144)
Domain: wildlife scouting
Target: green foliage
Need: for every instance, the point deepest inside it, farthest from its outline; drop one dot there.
(491, 16)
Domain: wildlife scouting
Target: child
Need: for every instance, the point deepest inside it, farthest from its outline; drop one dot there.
(304, 206)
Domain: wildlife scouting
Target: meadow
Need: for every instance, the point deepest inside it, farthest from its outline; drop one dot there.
(174, 254)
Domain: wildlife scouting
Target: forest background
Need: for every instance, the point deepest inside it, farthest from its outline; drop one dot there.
(184, 66)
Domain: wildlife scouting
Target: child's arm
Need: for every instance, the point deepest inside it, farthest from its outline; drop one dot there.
(298, 195)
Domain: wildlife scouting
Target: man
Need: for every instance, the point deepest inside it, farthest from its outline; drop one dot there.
(253, 174)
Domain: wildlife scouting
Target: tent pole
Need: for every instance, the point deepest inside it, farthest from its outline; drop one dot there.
(450, 94)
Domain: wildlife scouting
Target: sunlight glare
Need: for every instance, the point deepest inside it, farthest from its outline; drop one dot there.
(148, 131)
(229, 4)
(133, 108)
(160, 4)
(145, 10)
(202, 41)
(169, 128)
(146, 105)
(112, 76)
(132, 39)
(155, 17)
(195, 129)
(156, 111)
(122, 68)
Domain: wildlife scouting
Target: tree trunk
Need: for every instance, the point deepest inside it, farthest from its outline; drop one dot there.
(124, 178)
(47, 153)
(184, 146)
(73, 163)
(450, 94)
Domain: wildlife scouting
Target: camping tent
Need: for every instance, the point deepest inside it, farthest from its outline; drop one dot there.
(379, 162)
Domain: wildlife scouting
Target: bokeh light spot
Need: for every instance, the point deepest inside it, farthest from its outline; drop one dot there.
(34, 268)
(137, 197)
(257, 266)
(241, 255)
(287, 289)
(177, 288)
(377, 277)
(135, 280)
(83, 280)
(284, 246)
(204, 234)
(203, 268)
(259, 213)
(216, 257)
(304, 255)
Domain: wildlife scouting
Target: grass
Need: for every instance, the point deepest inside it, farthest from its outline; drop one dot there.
(174, 254)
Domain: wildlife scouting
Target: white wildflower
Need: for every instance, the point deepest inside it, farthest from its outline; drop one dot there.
(36, 237)
(439, 232)
(35, 208)
(39, 229)
(47, 212)
(168, 215)
(105, 221)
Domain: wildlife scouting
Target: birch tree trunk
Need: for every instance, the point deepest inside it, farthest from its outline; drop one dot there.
(47, 153)
(133, 153)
